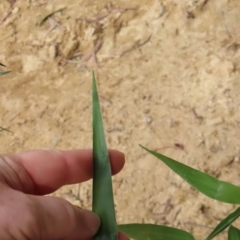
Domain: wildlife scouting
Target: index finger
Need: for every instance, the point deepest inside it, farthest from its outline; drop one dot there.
(49, 170)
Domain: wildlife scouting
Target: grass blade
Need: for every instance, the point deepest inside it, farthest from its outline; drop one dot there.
(4, 73)
(5, 129)
(50, 15)
(103, 203)
(154, 232)
(224, 224)
(204, 183)
(233, 233)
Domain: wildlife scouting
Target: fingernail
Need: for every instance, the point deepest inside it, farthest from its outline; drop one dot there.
(77, 206)
(92, 221)
(121, 153)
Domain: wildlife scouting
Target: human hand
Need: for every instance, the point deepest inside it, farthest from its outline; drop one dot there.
(26, 214)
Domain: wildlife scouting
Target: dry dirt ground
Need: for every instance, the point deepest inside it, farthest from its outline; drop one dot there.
(168, 75)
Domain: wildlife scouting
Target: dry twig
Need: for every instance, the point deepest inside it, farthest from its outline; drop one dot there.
(197, 225)
(91, 54)
(8, 13)
(197, 115)
(53, 24)
(225, 25)
(101, 16)
(136, 45)
(50, 15)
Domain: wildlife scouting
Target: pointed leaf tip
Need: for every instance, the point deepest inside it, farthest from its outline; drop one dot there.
(204, 183)
(103, 203)
(138, 231)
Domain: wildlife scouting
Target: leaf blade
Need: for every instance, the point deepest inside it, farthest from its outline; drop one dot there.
(204, 183)
(226, 222)
(233, 233)
(103, 203)
(4, 73)
(153, 232)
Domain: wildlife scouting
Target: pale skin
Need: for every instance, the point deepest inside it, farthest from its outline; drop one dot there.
(27, 213)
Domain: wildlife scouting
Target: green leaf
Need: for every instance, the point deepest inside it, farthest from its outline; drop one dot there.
(224, 223)
(103, 203)
(233, 233)
(204, 183)
(4, 73)
(153, 232)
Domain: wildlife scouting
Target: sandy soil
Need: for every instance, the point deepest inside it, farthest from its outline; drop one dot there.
(168, 75)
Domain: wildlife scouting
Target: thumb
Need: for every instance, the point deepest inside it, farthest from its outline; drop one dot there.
(58, 219)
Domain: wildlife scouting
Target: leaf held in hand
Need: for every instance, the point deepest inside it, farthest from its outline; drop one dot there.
(103, 203)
